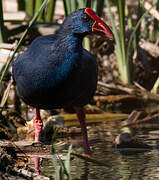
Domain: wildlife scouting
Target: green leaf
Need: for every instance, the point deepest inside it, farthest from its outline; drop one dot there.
(67, 161)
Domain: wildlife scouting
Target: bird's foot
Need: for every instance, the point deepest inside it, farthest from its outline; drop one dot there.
(87, 154)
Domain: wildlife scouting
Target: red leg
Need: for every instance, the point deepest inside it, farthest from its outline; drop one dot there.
(38, 125)
(81, 116)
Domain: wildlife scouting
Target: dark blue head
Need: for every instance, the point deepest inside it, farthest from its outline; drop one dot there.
(85, 21)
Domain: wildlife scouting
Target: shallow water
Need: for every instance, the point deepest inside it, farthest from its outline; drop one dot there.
(143, 165)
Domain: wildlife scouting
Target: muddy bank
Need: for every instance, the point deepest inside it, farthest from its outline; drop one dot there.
(12, 167)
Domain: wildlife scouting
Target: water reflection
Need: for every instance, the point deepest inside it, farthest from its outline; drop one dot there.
(85, 171)
(143, 165)
(36, 161)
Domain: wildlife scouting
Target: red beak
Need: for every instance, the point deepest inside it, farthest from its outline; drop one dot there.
(99, 27)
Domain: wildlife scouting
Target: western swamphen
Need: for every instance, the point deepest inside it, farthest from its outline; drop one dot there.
(57, 72)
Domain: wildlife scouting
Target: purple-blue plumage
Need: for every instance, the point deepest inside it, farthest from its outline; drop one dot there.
(56, 71)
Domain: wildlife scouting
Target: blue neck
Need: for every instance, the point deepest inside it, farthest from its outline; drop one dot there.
(69, 41)
(70, 48)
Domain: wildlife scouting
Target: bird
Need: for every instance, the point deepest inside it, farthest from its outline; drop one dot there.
(57, 72)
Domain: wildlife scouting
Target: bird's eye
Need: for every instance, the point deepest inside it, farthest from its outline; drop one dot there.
(86, 18)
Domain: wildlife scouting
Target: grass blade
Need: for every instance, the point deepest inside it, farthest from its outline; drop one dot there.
(54, 137)
(5, 94)
(117, 40)
(32, 22)
(67, 7)
(155, 87)
(21, 5)
(38, 3)
(73, 5)
(154, 33)
(94, 5)
(29, 7)
(99, 8)
(64, 168)
(140, 12)
(91, 160)
(86, 43)
(57, 168)
(121, 12)
(81, 4)
(50, 10)
(67, 162)
(64, 171)
(88, 3)
(133, 35)
(125, 62)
